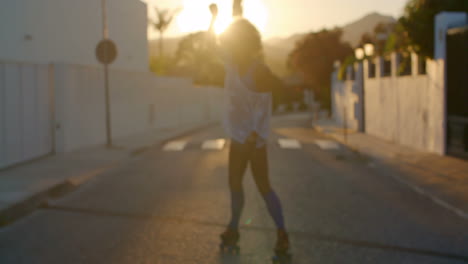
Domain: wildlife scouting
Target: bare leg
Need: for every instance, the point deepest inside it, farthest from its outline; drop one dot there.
(238, 161)
(259, 165)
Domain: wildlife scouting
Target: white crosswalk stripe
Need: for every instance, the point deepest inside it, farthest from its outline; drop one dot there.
(175, 146)
(220, 144)
(216, 144)
(287, 143)
(327, 144)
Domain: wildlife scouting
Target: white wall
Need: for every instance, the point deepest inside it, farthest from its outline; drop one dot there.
(67, 31)
(347, 97)
(25, 112)
(407, 110)
(140, 102)
(61, 107)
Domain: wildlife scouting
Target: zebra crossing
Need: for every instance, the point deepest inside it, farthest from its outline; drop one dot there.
(288, 143)
(175, 146)
(220, 143)
(216, 144)
(327, 144)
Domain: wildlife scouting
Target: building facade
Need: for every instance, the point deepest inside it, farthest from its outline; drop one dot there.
(67, 31)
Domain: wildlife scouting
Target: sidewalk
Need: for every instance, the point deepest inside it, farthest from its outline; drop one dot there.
(441, 178)
(25, 187)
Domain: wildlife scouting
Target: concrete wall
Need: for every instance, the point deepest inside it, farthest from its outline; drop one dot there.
(67, 31)
(407, 110)
(347, 98)
(25, 112)
(61, 107)
(140, 102)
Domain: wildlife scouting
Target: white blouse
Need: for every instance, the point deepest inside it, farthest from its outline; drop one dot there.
(246, 111)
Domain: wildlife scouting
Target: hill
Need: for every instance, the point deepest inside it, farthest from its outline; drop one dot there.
(276, 50)
(352, 32)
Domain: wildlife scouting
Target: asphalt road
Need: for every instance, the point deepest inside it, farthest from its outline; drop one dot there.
(170, 207)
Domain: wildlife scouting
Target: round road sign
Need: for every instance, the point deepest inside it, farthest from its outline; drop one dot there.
(106, 51)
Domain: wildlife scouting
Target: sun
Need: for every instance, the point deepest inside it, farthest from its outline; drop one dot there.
(256, 12)
(196, 16)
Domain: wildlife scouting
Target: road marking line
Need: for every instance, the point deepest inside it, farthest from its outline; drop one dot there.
(287, 143)
(215, 144)
(175, 146)
(327, 144)
(457, 211)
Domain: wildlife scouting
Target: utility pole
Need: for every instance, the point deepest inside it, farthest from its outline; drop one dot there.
(105, 35)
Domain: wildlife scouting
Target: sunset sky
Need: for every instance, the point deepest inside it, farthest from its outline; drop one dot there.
(275, 17)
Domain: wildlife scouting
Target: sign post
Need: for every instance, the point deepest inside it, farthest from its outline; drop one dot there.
(106, 52)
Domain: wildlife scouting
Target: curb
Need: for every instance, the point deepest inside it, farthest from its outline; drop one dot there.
(26, 206)
(417, 189)
(40, 199)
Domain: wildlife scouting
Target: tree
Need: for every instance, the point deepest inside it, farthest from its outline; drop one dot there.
(162, 66)
(366, 38)
(397, 41)
(418, 22)
(314, 56)
(381, 35)
(197, 57)
(164, 20)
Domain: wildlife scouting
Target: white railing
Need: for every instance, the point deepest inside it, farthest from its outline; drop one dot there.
(402, 106)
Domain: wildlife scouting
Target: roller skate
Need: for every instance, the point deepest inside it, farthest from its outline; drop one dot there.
(229, 242)
(282, 255)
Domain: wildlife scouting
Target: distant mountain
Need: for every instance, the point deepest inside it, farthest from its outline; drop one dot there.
(352, 32)
(276, 49)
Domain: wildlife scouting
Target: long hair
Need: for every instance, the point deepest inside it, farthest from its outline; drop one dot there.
(242, 41)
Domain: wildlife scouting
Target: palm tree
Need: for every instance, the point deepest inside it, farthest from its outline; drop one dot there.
(164, 20)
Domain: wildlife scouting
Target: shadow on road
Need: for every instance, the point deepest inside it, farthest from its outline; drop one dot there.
(228, 259)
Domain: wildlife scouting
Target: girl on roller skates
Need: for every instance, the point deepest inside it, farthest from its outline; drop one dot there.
(247, 122)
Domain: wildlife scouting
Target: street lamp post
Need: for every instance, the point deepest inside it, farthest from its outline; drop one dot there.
(359, 53)
(369, 50)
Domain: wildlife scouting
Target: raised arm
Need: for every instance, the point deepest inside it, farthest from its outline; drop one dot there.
(211, 34)
(237, 10)
(212, 39)
(214, 16)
